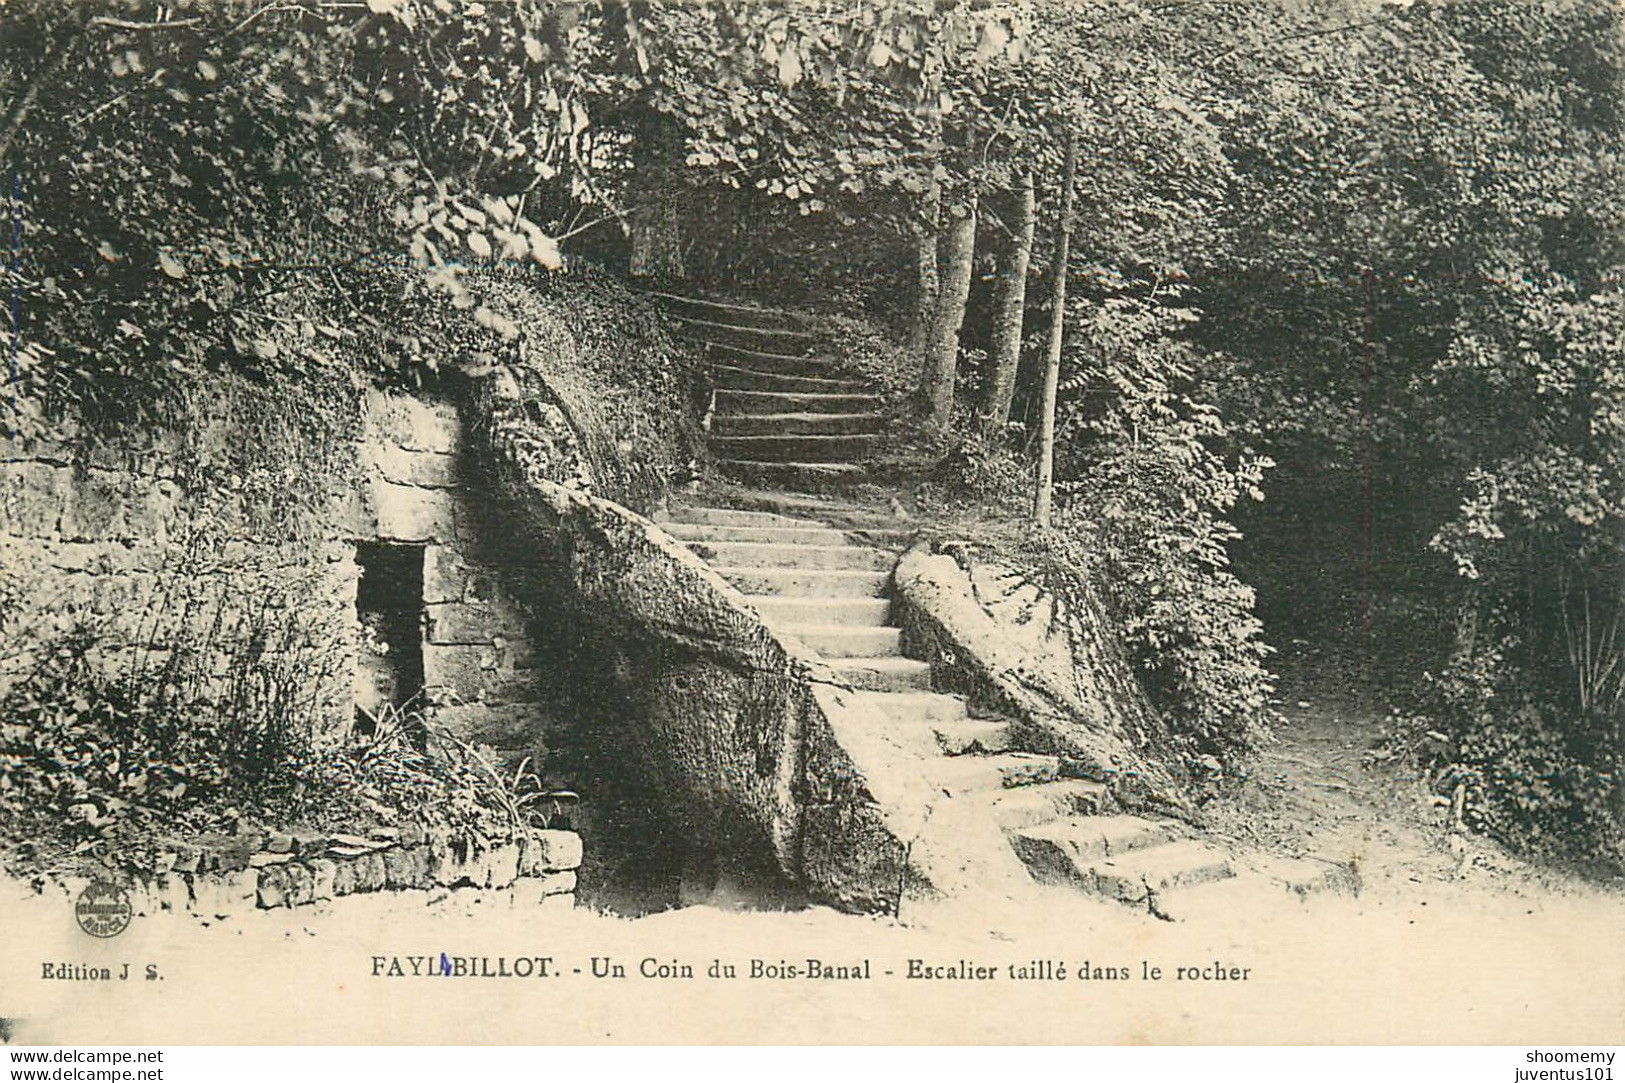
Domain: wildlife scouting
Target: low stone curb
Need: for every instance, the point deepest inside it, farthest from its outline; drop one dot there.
(224, 875)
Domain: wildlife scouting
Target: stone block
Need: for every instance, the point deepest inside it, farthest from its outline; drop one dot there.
(460, 622)
(425, 469)
(33, 497)
(406, 867)
(172, 892)
(221, 894)
(96, 508)
(406, 513)
(507, 725)
(464, 672)
(323, 877)
(274, 888)
(502, 865)
(557, 850)
(534, 890)
(445, 575)
(343, 877)
(370, 873)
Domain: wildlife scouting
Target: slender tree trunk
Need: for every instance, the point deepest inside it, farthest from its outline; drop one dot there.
(657, 235)
(1007, 327)
(928, 281)
(1052, 361)
(942, 357)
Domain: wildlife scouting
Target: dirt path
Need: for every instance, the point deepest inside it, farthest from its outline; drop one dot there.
(1317, 791)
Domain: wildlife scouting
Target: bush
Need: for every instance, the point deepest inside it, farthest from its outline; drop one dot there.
(221, 715)
(1150, 477)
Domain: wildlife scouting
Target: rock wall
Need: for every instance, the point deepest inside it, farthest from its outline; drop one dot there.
(215, 534)
(740, 735)
(162, 538)
(717, 700)
(998, 639)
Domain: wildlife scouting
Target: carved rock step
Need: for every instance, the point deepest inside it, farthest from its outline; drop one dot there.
(797, 449)
(968, 774)
(789, 535)
(1260, 880)
(1102, 836)
(766, 339)
(882, 674)
(917, 707)
(1034, 805)
(1129, 876)
(806, 583)
(690, 515)
(797, 424)
(731, 312)
(967, 736)
(822, 611)
(849, 641)
(809, 477)
(800, 557)
(730, 401)
(768, 361)
(736, 377)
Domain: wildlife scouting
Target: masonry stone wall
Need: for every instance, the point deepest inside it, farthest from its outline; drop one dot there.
(479, 668)
(153, 538)
(188, 538)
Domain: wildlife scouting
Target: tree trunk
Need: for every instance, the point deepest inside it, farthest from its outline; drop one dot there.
(657, 240)
(1052, 361)
(942, 354)
(928, 282)
(1007, 326)
(656, 225)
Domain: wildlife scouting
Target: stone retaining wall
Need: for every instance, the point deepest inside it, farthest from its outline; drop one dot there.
(221, 876)
(1068, 692)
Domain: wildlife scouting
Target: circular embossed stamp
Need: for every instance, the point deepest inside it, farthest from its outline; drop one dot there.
(103, 909)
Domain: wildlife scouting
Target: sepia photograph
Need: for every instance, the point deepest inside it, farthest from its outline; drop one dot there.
(813, 522)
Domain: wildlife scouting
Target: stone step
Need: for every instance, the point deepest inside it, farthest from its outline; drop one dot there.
(1005, 770)
(849, 640)
(803, 424)
(731, 517)
(1128, 877)
(730, 312)
(921, 708)
(825, 611)
(767, 361)
(882, 674)
(1260, 881)
(806, 583)
(808, 477)
(794, 449)
(965, 736)
(731, 401)
(766, 339)
(789, 535)
(799, 557)
(735, 378)
(1034, 805)
(1104, 836)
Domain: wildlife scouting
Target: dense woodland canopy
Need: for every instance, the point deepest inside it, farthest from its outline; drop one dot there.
(1345, 273)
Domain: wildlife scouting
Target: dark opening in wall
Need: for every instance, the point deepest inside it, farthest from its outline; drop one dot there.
(389, 608)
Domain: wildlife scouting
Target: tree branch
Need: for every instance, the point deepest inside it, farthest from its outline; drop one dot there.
(127, 24)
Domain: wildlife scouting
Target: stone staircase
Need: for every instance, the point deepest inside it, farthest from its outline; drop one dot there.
(781, 412)
(784, 416)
